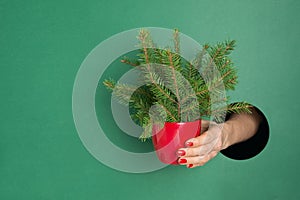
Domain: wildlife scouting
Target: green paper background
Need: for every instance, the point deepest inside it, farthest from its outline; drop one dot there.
(43, 44)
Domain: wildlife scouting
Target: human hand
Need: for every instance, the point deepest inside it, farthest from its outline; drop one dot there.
(203, 148)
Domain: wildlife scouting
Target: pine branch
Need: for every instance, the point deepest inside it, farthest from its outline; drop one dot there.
(147, 130)
(175, 82)
(173, 118)
(131, 62)
(240, 107)
(143, 36)
(219, 54)
(124, 92)
(176, 41)
(197, 62)
(181, 88)
(109, 84)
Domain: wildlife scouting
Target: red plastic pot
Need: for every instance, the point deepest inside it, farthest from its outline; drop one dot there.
(173, 136)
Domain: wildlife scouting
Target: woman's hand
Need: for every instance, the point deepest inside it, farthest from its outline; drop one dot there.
(216, 137)
(205, 147)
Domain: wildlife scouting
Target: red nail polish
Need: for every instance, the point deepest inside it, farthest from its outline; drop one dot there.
(189, 144)
(182, 161)
(180, 152)
(190, 165)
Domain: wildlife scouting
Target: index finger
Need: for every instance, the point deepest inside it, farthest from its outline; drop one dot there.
(197, 141)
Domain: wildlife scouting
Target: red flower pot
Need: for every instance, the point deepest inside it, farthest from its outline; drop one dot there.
(172, 137)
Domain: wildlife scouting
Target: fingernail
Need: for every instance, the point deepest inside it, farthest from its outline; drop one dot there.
(180, 152)
(181, 161)
(189, 165)
(189, 144)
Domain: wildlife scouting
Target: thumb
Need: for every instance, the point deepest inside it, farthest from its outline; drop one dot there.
(204, 125)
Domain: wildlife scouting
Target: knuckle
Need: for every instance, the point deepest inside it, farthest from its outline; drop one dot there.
(202, 151)
(191, 151)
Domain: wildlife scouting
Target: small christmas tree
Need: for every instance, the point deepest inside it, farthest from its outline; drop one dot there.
(179, 87)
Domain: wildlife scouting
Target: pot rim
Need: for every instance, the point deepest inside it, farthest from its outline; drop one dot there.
(181, 123)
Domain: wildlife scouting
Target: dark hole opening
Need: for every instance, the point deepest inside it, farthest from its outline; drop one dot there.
(254, 145)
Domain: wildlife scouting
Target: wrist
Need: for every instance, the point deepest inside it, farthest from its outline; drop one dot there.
(227, 132)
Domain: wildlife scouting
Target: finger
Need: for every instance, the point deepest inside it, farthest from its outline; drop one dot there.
(198, 141)
(195, 151)
(208, 136)
(197, 160)
(191, 162)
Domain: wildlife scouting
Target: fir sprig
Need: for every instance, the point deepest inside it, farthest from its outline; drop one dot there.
(167, 84)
